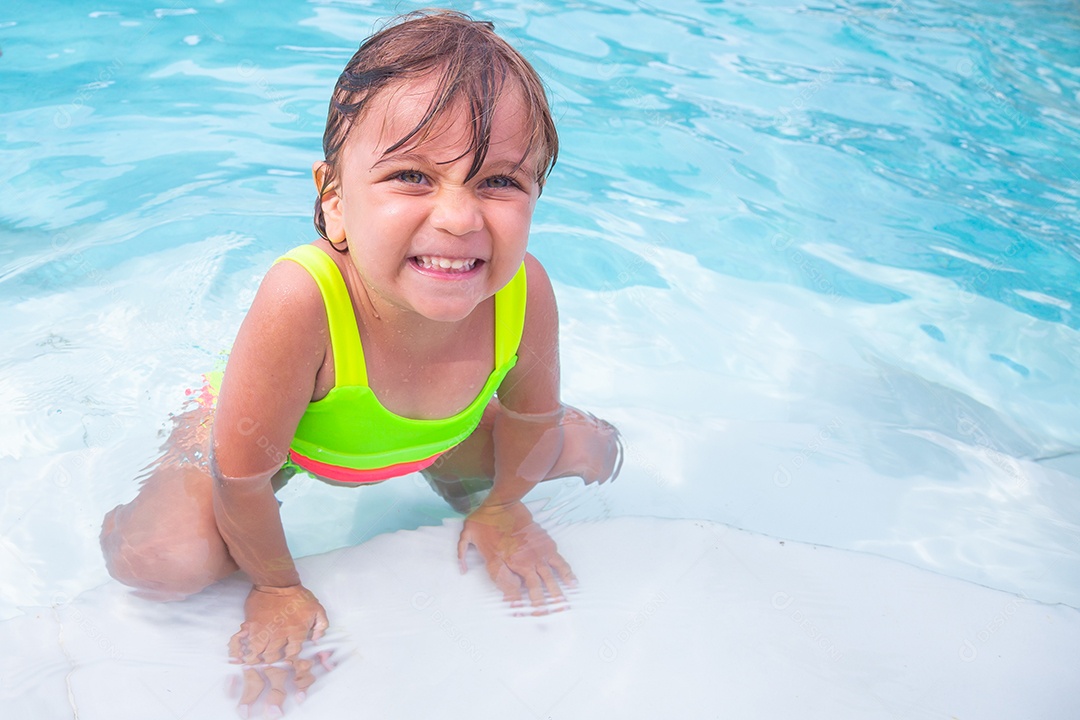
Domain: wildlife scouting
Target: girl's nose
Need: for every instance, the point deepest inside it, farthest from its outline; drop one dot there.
(457, 211)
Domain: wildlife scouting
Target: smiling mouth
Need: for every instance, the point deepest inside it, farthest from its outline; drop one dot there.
(444, 264)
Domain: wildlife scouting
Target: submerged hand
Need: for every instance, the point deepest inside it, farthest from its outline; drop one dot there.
(277, 622)
(516, 551)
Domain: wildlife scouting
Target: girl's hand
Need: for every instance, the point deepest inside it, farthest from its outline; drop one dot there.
(516, 551)
(277, 623)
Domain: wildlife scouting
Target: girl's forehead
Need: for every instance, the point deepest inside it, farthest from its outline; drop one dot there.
(400, 109)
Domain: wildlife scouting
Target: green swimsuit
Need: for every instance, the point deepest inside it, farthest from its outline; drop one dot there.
(348, 435)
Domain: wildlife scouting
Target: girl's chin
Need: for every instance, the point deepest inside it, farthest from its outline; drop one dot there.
(447, 307)
(441, 315)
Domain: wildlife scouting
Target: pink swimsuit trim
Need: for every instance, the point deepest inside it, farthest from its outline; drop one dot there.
(350, 475)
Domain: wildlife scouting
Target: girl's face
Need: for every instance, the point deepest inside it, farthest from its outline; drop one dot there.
(423, 239)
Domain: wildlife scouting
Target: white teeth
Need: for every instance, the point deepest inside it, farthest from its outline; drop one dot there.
(432, 261)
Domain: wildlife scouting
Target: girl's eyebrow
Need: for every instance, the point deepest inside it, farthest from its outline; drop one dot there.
(411, 157)
(500, 166)
(507, 167)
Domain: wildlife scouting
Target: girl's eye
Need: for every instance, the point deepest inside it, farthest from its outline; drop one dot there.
(501, 181)
(411, 177)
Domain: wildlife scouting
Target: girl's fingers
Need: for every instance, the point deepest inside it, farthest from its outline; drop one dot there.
(507, 581)
(275, 699)
(258, 641)
(294, 645)
(462, 548)
(276, 652)
(236, 645)
(253, 686)
(254, 654)
(304, 677)
(324, 659)
(321, 624)
(562, 569)
(271, 655)
(551, 585)
(534, 587)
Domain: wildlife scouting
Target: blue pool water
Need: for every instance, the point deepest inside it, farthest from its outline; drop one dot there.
(818, 261)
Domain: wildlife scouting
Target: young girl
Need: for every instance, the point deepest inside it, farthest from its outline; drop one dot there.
(379, 349)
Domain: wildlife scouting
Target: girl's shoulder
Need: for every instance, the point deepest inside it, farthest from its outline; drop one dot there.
(290, 289)
(532, 385)
(272, 371)
(287, 307)
(541, 295)
(536, 275)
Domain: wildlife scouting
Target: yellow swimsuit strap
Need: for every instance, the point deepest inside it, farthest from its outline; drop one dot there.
(349, 366)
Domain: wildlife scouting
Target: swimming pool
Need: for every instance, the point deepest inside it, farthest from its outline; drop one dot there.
(818, 262)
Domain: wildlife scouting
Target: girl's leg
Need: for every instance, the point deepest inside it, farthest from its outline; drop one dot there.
(592, 450)
(165, 542)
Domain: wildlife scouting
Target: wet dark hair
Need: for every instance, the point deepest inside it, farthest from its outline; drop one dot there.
(473, 67)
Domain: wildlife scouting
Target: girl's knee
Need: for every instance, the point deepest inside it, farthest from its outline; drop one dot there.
(592, 448)
(158, 566)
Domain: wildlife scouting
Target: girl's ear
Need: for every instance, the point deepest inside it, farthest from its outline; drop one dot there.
(331, 202)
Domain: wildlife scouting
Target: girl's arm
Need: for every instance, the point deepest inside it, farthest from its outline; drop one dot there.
(268, 383)
(528, 441)
(527, 432)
